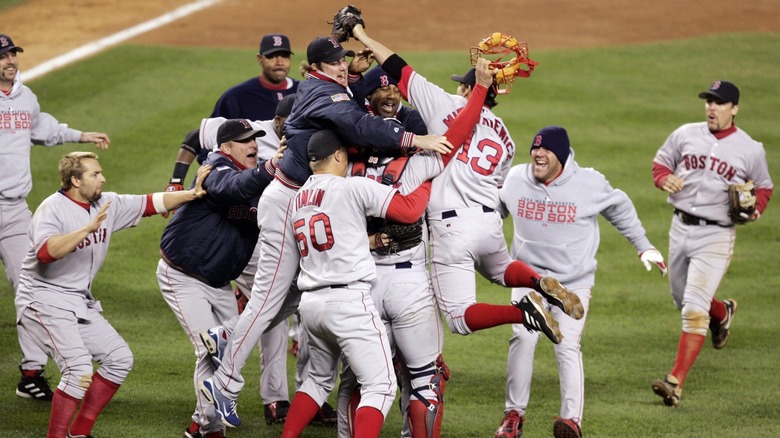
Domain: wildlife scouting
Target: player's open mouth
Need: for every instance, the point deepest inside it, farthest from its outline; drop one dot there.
(388, 107)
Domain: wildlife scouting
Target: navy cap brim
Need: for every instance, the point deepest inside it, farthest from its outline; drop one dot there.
(335, 56)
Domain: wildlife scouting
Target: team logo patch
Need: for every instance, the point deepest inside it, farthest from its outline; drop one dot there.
(341, 97)
(715, 85)
(538, 141)
(277, 40)
(3, 42)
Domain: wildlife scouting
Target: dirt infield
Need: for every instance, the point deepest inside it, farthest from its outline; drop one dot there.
(47, 29)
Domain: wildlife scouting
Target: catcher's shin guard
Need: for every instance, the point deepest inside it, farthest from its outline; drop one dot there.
(425, 414)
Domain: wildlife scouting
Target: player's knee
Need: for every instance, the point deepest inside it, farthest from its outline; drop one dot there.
(76, 377)
(429, 381)
(117, 364)
(695, 321)
(457, 324)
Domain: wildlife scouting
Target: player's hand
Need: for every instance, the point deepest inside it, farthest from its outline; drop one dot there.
(437, 143)
(279, 152)
(203, 172)
(653, 256)
(99, 218)
(361, 62)
(672, 184)
(484, 73)
(100, 139)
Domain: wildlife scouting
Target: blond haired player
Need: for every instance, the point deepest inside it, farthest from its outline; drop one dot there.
(70, 233)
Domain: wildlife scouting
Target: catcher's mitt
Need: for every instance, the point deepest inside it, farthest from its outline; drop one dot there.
(400, 236)
(498, 46)
(742, 202)
(344, 21)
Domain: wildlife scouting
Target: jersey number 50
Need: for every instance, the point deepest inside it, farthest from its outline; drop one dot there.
(319, 222)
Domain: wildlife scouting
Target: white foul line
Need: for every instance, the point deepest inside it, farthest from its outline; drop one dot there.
(101, 44)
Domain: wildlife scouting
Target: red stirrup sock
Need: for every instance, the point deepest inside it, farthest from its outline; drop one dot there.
(368, 422)
(518, 274)
(718, 310)
(98, 395)
(481, 316)
(302, 409)
(63, 406)
(687, 352)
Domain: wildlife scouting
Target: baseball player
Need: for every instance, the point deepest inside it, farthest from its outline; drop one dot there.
(401, 292)
(555, 205)
(695, 165)
(464, 200)
(323, 99)
(70, 233)
(257, 97)
(22, 124)
(337, 311)
(194, 274)
(273, 343)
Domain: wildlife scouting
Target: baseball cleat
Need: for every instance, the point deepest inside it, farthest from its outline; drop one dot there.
(276, 412)
(537, 318)
(668, 389)
(720, 329)
(511, 426)
(566, 428)
(35, 387)
(225, 407)
(215, 341)
(556, 294)
(326, 416)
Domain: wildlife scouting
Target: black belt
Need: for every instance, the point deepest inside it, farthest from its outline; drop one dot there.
(452, 213)
(689, 219)
(403, 265)
(330, 286)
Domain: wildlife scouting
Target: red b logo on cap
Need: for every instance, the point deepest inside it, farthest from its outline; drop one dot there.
(538, 141)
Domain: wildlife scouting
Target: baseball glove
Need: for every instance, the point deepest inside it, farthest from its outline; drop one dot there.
(400, 236)
(344, 21)
(742, 202)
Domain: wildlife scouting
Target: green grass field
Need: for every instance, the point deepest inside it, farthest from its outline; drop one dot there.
(618, 104)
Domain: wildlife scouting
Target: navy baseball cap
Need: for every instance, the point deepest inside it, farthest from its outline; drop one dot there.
(284, 107)
(722, 90)
(378, 77)
(327, 49)
(470, 78)
(7, 44)
(237, 130)
(554, 139)
(275, 42)
(322, 144)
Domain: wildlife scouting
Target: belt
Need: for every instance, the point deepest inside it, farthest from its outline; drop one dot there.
(330, 286)
(453, 213)
(403, 265)
(689, 219)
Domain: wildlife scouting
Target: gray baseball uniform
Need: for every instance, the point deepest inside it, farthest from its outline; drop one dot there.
(329, 219)
(464, 198)
(54, 300)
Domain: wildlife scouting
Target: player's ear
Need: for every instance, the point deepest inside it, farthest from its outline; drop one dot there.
(734, 110)
(225, 148)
